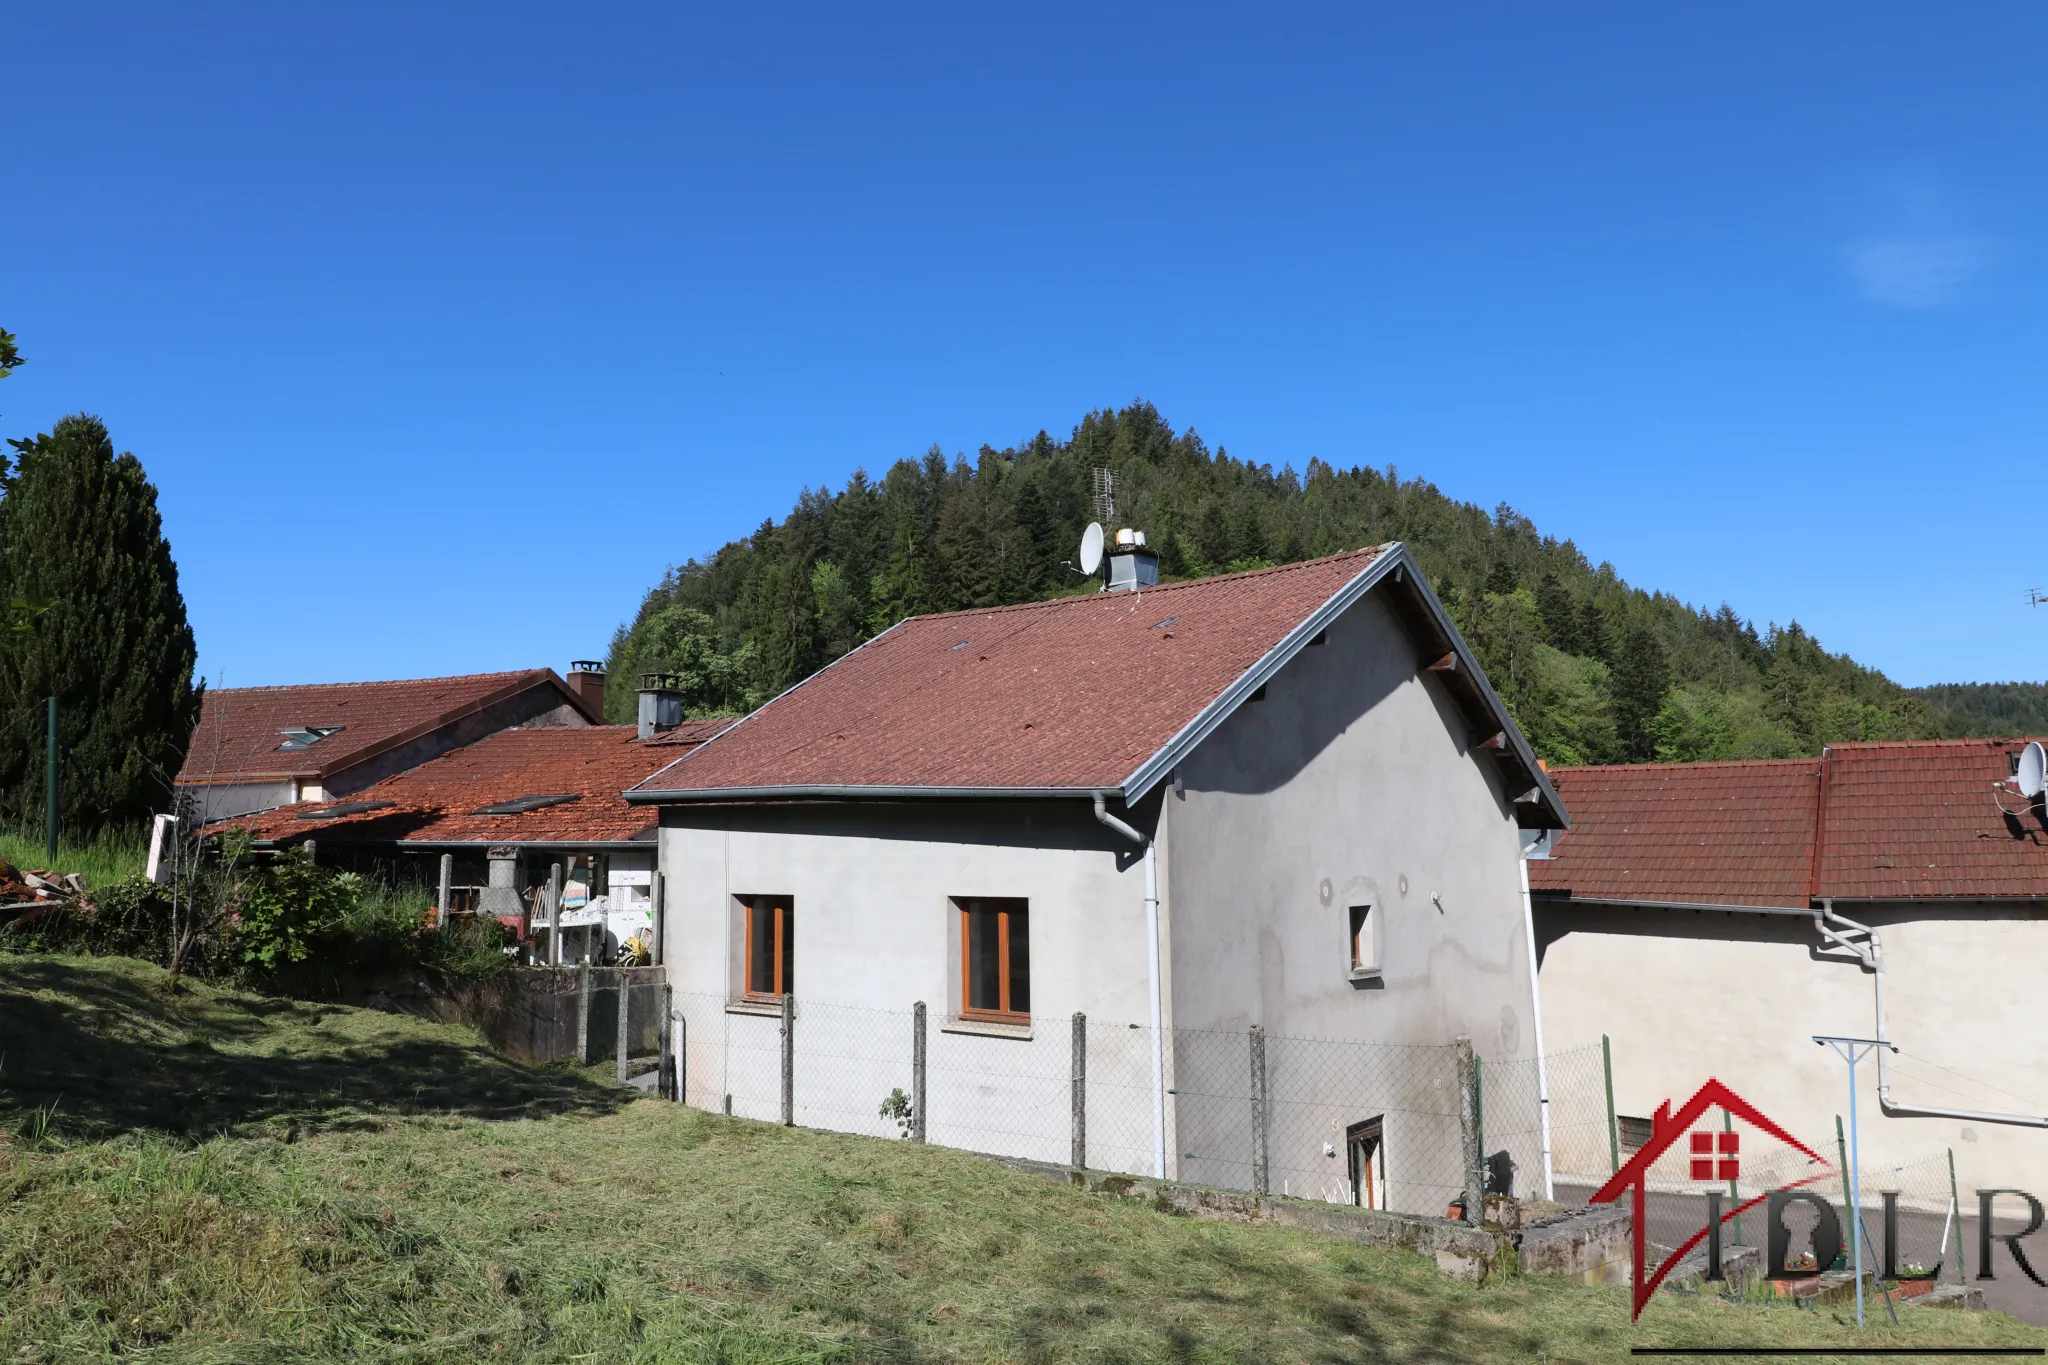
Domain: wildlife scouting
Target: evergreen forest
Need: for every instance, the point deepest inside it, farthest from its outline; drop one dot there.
(1595, 670)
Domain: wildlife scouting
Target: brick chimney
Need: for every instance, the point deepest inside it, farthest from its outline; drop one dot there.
(586, 680)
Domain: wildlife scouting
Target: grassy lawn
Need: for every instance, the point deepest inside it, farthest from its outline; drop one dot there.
(216, 1176)
(104, 859)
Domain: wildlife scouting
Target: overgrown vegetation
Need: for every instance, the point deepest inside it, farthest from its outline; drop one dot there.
(1594, 669)
(207, 1175)
(272, 920)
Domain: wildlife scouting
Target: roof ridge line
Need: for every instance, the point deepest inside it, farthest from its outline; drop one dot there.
(1132, 593)
(376, 682)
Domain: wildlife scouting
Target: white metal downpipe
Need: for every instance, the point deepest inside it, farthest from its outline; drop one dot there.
(1542, 1062)
(1152, 973)
(1839, 930)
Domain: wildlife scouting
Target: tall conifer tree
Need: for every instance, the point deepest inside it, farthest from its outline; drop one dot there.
(80, 532)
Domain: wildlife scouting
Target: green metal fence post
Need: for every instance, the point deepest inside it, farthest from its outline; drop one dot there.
(1613, 1128)
(50, 788)
(1734, 1199)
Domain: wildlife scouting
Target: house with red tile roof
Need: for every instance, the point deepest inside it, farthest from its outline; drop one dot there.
(258, 748)
(505, 811)
(1285, 798)
(1712, 918)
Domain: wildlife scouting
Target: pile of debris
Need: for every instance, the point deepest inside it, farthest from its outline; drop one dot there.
(22, 891)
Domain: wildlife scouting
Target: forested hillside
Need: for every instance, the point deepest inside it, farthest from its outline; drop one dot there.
(1596, 670)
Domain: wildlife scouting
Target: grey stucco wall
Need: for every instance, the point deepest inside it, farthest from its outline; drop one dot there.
(1350, 783)
(1686, 995)
(872, 886)
(224, 800)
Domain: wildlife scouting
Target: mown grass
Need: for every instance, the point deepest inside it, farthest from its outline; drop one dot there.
(291, 1182)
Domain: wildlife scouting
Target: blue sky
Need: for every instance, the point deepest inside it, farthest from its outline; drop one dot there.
(443, 329)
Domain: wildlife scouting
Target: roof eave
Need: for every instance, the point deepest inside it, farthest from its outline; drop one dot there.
(1394, 556)
(858, 792)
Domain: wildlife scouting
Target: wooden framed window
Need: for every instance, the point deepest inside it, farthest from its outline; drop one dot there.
(770, 966)
(1363, 943)
(1362, 1148)
(995, 959)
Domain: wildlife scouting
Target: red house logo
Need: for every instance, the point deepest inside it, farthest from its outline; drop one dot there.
(1714, 1156)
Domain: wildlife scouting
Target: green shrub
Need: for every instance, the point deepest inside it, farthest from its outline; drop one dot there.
(131, 918)
(276, 910)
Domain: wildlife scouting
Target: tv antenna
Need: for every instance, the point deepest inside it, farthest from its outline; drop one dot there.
(2036, 598)
(1105, 495)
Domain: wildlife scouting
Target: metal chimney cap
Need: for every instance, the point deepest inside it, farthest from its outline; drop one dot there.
(661, 682)
(586, 666)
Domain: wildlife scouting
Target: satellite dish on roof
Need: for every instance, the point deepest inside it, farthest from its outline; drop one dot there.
(1091, 548)
(2031, 776)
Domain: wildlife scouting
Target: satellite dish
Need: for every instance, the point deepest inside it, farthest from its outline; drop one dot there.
(2032, 775)
(1091, 552)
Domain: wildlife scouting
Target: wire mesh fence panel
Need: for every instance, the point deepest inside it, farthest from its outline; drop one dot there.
(731, 1060)
(848, 1062)
(1006, 1094)
(1122, 1116)
(1364, 1123)
(1925, 1230)
(1579, 1145)
(1211, 1109)
(1511, 1126)
(1512, 1115)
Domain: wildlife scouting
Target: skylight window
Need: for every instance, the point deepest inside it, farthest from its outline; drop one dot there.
(523, 804)
(345, 808)
(1167, 622)
(962, 645)
(306, 736)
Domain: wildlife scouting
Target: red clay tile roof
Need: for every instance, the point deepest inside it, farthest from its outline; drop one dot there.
(435, 802)
(1720, 833)
(692, 732)
(1901, 820)
(237, 737)
(1070, 694)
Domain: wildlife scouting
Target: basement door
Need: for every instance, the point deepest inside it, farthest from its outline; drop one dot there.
(1368, 1161)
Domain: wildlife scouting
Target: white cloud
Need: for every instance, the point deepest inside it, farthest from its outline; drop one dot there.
(1914, 271)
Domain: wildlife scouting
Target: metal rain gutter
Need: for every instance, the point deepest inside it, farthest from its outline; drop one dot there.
(854, 791)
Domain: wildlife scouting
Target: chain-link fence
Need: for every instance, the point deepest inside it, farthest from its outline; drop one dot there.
(1570, 1137)
(1381, 1125)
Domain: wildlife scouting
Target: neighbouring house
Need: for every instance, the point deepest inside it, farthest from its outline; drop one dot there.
(258, 748)
(506, 811)
(1299, 773)
(1713, 918)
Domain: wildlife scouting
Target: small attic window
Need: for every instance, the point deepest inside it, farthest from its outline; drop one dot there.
(306, 736)
(345, 808)
(1258, 693)
(523, 804)
(1320, 637)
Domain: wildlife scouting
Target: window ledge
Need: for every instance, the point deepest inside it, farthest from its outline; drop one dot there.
(1365, 973)
(987, 1028)
(770, 1008)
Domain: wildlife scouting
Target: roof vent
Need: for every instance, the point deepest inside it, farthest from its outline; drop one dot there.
(306, 736)
(661, 703)
(521, 805)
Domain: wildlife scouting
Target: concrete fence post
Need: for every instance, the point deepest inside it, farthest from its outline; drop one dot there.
(789, 1059)
(917, 1086)
(666, 1086)
(1468, 1131)
(1078, 1157)
(625, 1019)
(447, 889)
(658, 898)
(583, 1015)
(555, 948)
(1261, 1179)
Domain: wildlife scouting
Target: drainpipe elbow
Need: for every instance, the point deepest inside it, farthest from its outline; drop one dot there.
(1102, 814)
